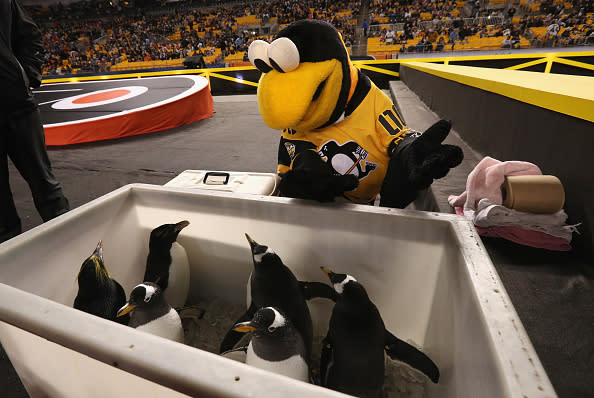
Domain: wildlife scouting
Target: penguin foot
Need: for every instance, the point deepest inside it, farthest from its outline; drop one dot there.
(314, 377)
(190, 314)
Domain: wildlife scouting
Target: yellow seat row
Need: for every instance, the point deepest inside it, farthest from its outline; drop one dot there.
(248, 20)
(237, 57)
(125, 65)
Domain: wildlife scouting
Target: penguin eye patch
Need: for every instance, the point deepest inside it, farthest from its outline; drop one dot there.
(283, 55)
(271, 329)
(258, 55)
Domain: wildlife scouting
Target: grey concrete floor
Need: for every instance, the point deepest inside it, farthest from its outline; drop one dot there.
(235, 138)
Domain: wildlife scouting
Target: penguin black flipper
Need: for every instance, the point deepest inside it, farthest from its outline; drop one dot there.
(232, 337)
(243, 348)
(326, 359)
(313, 290)
(404, 352)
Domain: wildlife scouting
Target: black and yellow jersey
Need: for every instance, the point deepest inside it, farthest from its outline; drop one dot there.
(358, 144)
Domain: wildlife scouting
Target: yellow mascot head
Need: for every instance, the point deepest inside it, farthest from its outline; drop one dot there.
(307, 76)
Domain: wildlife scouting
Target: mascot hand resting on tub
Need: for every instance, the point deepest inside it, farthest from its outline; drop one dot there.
(341, 135)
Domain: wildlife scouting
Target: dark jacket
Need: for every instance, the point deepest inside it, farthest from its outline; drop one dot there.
(21, 57)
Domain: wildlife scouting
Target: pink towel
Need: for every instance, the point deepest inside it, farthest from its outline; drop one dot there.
(485, 181)
(523, 236)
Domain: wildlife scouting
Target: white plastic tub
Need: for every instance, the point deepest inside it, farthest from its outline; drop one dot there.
(428, 273)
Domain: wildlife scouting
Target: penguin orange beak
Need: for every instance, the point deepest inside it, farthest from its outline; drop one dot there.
(326, 271)
(250, 240)
(244, 327)
(181, 225)
(125, 309)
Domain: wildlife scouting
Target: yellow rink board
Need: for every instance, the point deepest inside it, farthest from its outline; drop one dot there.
(568, 94)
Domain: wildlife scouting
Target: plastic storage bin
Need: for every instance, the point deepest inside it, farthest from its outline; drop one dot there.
(428, 273)
(227, 181)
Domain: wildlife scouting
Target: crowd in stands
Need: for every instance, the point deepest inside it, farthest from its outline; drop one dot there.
(98, 35)
(107, 37)
(382, 11)
(429, 25)
(559, 26)
(88, 9)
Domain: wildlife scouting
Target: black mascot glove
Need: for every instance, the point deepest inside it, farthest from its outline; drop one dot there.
(312, 178)
(415, 162)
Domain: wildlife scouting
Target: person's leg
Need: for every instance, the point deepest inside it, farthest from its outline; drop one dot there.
(10, 224)
(28, 153)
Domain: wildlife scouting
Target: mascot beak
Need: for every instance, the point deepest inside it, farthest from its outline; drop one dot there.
(301, 99)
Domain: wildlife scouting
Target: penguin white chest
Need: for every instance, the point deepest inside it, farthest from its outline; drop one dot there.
(168, 326)
(294, 366)
(178, 287)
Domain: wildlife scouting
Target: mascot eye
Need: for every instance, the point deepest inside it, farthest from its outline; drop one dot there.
(258, 55)
(283, 55)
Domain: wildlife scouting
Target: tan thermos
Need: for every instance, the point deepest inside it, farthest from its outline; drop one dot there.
(543, 194)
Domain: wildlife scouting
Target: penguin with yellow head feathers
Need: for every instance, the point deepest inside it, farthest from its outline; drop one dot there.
(341, 135)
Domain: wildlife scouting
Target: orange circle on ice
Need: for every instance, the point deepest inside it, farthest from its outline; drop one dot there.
(103, 96)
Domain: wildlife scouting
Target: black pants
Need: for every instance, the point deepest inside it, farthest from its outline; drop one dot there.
(23, 140)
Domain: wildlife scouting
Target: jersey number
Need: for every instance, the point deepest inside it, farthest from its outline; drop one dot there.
(392, 114)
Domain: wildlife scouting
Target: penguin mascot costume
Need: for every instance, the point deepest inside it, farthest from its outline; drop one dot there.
(341, 135)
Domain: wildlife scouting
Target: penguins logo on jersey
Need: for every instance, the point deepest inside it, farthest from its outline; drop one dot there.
(348, 158)
(290, 147)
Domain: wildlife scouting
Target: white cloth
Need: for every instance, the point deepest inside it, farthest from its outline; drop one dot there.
(489, 214)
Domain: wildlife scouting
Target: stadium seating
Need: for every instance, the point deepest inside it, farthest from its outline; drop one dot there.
(223, 34)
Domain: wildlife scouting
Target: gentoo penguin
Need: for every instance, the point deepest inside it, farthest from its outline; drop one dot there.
(167, 263)
(98, 293)
(151, 313)
(276, 345)
(352, 358)
(272, 284)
